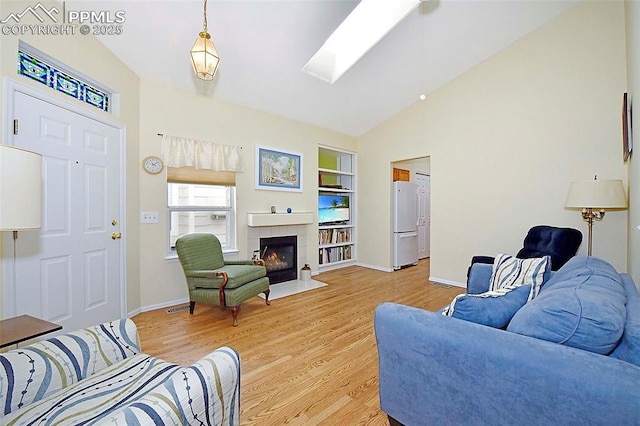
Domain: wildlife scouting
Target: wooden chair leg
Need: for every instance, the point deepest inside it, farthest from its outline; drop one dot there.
(234, 312)
(266, 296)
(192, 306)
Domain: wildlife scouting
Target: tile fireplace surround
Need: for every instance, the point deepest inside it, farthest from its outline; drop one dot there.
(279, 225)
(255, 233)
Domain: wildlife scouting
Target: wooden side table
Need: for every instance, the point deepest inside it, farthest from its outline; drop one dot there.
(24, 327)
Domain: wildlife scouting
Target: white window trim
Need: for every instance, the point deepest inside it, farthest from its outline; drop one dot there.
(231, 247)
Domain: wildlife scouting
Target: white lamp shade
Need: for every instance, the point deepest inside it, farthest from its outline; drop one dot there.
(204, 57)
(596, 194)
(20, 189)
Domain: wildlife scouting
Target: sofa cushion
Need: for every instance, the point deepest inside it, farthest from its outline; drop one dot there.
(493, 308)
(479, 279)
(509, 271)
(60, 361)
(238, 275)
(205, 393)
(583, 306)
(96, 396)
(629, 348)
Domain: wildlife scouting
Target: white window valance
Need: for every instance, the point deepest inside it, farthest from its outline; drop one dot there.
(184, 152)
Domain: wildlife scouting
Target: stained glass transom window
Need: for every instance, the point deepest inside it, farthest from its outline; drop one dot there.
(63, 82)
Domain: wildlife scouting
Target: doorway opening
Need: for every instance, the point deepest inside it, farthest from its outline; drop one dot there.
(418, 171)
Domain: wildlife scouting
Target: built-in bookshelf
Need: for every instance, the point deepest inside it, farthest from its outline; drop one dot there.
(334, 235)
(336, 179)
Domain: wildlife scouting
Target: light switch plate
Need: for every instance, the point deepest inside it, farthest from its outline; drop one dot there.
(148, 217)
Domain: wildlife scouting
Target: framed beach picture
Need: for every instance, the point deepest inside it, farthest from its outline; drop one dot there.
(278, 170)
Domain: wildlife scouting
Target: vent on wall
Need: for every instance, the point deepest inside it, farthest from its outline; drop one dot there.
(177, 309)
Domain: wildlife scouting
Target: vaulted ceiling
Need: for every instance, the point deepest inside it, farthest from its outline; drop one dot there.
(263, 45)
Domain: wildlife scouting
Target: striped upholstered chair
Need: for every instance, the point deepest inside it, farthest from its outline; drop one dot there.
(99, 376)
(214, 281)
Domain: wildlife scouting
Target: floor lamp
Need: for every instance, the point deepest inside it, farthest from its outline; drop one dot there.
(595, 195)
(20, 192)
(20, 189)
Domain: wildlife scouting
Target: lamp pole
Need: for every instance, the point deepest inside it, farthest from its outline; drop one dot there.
(589, 216)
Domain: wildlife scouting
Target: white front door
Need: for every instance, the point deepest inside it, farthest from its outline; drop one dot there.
(424, 217)
(69, 271)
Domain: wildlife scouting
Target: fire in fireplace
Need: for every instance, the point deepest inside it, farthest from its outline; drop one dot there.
(280, 256)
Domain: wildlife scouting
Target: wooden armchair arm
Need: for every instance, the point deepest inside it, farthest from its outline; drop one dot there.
(211, 274)
(225, 278)
(203, 273)
(245, 262)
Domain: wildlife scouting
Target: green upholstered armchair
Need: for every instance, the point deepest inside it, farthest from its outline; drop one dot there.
(213, 280)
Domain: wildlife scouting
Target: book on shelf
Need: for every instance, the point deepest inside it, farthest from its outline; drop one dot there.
(334, 254)
(334, 236)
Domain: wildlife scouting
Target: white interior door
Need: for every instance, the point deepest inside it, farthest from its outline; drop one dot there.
(70, 271)
(424, 217)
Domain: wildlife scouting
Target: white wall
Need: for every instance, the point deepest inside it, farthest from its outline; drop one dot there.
(633, 85)
(180, 113)
(88, 56)
(505, 140)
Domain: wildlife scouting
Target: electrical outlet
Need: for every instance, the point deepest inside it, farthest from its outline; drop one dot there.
(148, 217)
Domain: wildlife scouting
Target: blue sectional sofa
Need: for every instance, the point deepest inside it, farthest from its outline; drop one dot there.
(570, 356)
(99, 376)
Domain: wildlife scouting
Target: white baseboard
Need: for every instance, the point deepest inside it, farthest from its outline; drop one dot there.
(158, 306)
(447, 282)
(186, 299)
(377, 268)
(133, 313)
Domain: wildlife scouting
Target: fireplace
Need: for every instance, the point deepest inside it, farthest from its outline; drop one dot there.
(280, 256)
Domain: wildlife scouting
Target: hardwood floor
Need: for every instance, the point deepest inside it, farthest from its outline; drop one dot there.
(307, 359)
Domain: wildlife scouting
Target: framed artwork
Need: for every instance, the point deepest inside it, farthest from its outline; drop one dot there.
(627, 135)
(278, 170)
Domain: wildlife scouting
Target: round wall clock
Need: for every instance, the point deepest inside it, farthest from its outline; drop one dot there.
(152, 164)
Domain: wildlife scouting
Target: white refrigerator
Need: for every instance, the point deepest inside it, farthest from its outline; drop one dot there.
(405, 224)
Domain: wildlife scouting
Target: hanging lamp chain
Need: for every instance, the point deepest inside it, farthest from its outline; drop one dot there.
(204, 28)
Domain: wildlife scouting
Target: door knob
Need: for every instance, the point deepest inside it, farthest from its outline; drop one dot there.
(116, 236)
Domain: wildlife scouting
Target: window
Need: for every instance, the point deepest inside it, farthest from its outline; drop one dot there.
(201, 208)
(46, 70)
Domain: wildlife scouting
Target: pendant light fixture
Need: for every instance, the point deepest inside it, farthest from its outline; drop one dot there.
(204, 56)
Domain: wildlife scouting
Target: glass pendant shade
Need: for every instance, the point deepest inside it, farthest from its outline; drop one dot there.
(204, 57)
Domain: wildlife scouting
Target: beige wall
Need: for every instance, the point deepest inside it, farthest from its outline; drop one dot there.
(180, 113)
(88, 56)
(505, 140)
(147, 109)
(633, 85)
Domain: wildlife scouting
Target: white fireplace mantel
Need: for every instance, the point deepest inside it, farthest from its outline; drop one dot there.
(279, 219)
